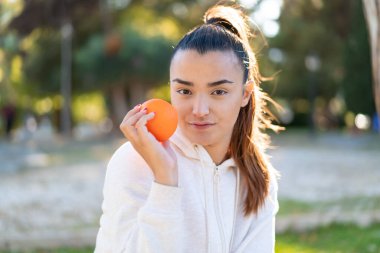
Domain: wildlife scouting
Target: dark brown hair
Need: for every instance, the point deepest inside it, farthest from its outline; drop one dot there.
(226, 28)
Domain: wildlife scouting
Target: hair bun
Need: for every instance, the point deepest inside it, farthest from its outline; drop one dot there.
(224, 23)
(231, 18)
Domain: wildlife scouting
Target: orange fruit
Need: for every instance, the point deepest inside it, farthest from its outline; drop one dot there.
(165, 120)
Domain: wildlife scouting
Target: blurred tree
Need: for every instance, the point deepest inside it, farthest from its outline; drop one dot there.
(307, 27)
(322, 28)
(141, 63)
(357, 82)
(120, 47)
(8, 53)
(41, 63)
(372, 14)
(52, 15)
(132, 54)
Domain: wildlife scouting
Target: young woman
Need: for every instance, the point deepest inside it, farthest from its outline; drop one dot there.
(210, 188)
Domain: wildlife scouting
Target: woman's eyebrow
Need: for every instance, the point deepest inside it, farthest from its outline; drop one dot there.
(220, 82)
(177, 80)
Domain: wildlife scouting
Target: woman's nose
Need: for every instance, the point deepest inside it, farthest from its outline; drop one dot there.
(200, 106)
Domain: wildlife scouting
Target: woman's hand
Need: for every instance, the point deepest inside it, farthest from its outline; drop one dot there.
(159, 156)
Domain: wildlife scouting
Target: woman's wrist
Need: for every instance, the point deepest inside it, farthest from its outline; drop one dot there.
(166, 178)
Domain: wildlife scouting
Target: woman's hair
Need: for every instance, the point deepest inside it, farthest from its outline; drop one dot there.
(226, 28)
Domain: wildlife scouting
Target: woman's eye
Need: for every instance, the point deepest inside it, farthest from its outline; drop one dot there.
(219, 92)
(184, 92)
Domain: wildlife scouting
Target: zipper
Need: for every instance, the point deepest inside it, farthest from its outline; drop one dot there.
(217, 208)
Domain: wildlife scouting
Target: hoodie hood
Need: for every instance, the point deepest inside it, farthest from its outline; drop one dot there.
(184, 145)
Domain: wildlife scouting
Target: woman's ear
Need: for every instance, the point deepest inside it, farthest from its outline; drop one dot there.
(248, 89)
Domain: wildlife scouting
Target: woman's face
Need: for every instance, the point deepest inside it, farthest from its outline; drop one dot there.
(207, 91)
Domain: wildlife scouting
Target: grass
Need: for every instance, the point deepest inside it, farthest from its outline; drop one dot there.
(353, 204)
(60, 250)
(288, 206)
(336, 238)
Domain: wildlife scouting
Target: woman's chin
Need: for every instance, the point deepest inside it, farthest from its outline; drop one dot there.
(199, 140)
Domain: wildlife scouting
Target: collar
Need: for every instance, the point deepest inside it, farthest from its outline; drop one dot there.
(197, 152)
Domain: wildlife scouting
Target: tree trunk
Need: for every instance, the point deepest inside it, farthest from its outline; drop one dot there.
(119, 105)
(66, 33)
(137, 94)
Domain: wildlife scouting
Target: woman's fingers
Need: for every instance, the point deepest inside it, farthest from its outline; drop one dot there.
(133, 115)
(159, 157)
(134, 124)
(140, 126)
(127, 126)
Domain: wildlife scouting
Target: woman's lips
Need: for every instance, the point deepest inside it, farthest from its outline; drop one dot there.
(201, 125)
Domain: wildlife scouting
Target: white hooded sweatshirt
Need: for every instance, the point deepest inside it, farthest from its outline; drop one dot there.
(204, 214)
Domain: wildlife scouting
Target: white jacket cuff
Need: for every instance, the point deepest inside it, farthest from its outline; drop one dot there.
(164, 199)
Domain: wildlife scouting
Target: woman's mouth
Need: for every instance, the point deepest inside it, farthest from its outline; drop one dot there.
(201, 125)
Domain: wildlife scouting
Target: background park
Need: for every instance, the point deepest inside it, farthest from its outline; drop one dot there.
(71, 69)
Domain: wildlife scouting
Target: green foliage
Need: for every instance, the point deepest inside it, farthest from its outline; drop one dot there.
(304, 29)
(89, 107)
(162, 91)
(334, 30)
(42, 64)
(142, 60)
(357, 84)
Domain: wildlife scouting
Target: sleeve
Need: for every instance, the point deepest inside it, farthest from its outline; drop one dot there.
(261, 235)
(139, 215)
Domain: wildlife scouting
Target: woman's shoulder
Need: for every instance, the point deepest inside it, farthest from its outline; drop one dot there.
(274, 176)
(127, 163)
(125, 153)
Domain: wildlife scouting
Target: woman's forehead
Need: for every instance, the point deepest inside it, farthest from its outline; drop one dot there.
(184, 55)
(212, 63)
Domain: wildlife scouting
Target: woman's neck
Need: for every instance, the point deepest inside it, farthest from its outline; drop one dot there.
(218, 153)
